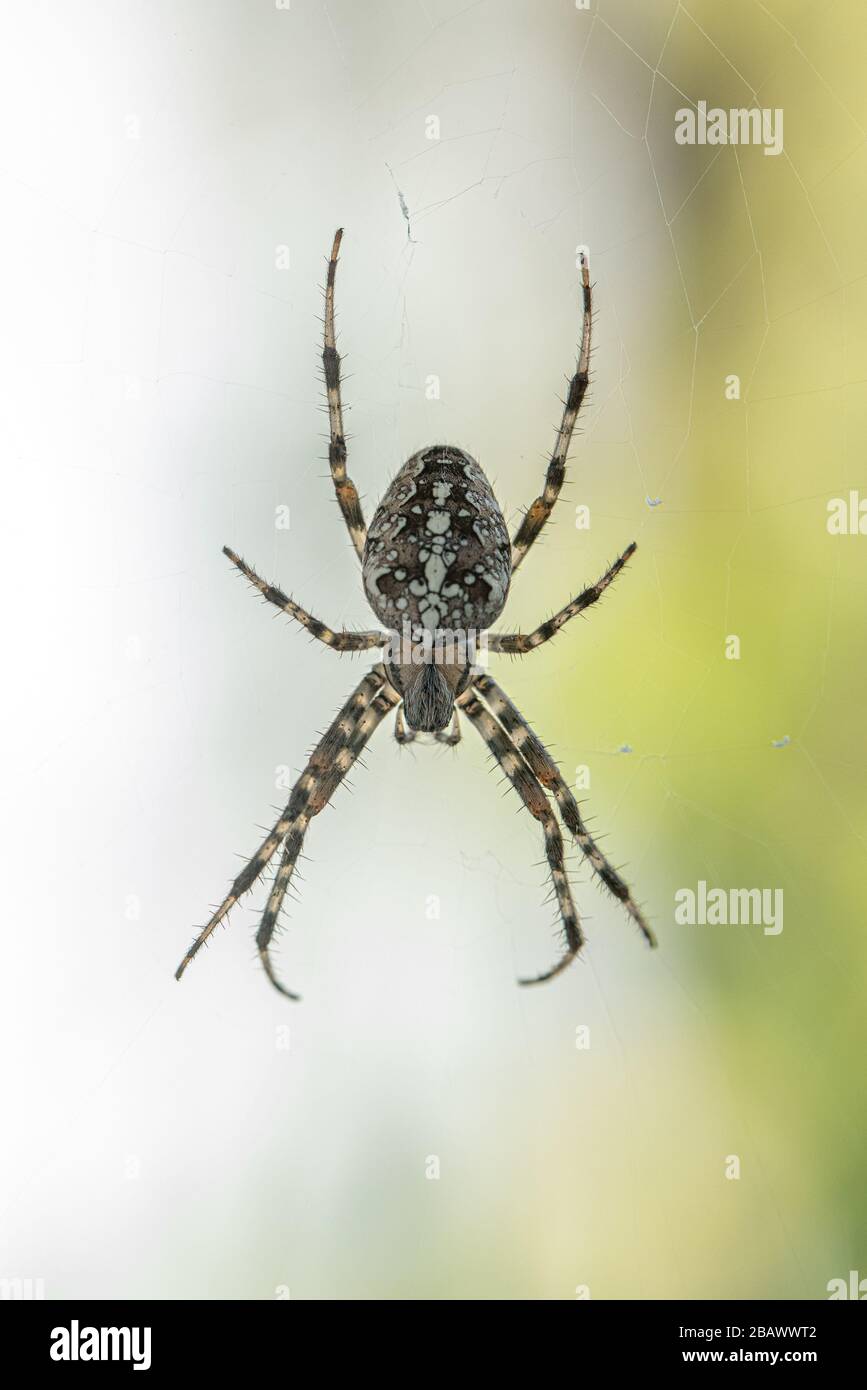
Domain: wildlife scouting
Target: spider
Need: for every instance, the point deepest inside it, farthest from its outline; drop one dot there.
(436, 564)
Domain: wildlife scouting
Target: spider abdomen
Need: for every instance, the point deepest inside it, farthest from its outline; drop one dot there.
(438, 554)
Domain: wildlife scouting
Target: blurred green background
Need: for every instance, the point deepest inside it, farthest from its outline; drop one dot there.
(203, 1141)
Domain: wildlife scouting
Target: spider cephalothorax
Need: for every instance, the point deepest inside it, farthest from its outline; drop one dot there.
(436, 566)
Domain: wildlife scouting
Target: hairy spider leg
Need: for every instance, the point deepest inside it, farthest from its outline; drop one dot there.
(533, 796)
(520, 643)
(540, 510)
(540, 762)
(347, 493)
(329, 764)
(336, 738)
(339, 641)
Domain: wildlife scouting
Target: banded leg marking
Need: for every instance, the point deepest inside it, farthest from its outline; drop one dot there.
(347, 493)
(533, 796)
(539, 760)
(520, 643)
(337, 736)
(339, 641)
(329, 773)
(540, 510)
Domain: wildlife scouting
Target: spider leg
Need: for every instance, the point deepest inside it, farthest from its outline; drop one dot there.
(347, 493)
(402, 734)
(328, 765)
(327, 750)
(453, 737)
(534, 519)
(519, 643)
(533, 796)
(539, 760)
(338, 641)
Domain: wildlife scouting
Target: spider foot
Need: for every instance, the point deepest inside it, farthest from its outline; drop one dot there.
(562, 964)
(214, 921)
(268, 966)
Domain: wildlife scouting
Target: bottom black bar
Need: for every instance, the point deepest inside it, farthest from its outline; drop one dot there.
(152, 1337)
